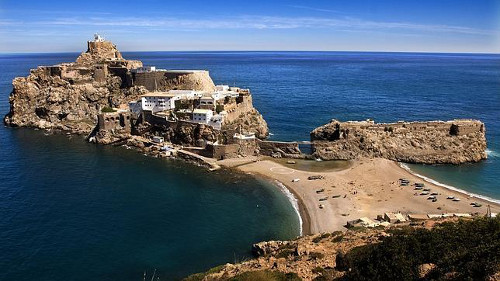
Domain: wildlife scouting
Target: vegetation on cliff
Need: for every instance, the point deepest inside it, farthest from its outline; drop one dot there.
(451, 250)
(467, 250)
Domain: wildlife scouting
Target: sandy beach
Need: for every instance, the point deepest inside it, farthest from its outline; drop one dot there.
(366, 188)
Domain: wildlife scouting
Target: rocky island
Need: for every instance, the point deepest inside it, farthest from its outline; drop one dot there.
(112, 100)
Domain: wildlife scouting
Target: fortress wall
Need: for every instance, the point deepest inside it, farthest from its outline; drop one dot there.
(168, 80)
(244, 106)
(114, 121)
(270, 147)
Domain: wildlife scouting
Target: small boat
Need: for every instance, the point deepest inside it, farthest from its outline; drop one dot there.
(475, 204)
(456, 199)
(335, 196)
(290, 162)
(418, 188)
(434, 200)
(425, 193)
(321, 206)
(450, 197)
(431, 197)
(419, 184)
(427, 189)
(323, 199)
(295, 180)
(434, 193)
(320, 191)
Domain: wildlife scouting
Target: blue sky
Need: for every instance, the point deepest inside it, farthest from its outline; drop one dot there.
(350, 25)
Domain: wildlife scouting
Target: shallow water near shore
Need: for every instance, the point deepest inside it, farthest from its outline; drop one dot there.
(313, 165)
(71, 210)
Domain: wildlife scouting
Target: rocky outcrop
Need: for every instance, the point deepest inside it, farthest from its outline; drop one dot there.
(250, 121)
(69, 96)
(455, 141)
(439, 249)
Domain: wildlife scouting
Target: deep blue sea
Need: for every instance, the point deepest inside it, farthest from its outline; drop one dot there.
(76, 211)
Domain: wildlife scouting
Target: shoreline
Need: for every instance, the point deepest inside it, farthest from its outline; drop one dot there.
(304, 216)
(367, 188)
(450, 187)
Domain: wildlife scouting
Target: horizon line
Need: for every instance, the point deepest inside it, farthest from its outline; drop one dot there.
(264, 51)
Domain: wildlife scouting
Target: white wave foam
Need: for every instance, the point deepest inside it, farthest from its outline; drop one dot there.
(427, 179)
(492, 153)
(293, 201)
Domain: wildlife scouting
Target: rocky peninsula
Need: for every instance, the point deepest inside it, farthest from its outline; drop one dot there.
(183, 113)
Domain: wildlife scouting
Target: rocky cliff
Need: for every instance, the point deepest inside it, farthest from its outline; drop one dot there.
(455, 141)
(69, 96)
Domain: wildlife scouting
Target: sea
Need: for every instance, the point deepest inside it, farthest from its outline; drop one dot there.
(70, 210)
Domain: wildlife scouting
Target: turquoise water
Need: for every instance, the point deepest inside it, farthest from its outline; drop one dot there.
(71, 210)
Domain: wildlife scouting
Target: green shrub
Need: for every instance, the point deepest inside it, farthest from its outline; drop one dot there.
(316, 255)
(107, 109)
(338, 238)
(471, 249)
(321, 237)
(285, 253)
(318, 270)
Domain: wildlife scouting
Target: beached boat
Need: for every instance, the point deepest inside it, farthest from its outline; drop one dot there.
(450, 197)
(336, 196)
(425, 193)
(456, 199)
(295, 180)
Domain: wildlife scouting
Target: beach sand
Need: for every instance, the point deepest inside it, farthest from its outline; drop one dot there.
(366, 188)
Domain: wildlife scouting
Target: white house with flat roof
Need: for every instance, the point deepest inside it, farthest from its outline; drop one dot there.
(222, 88)
(144, 69)
(158, 101)
(202, 115)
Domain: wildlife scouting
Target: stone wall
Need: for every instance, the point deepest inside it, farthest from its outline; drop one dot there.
(114, 121)
(455, 141)
(170, 80)
(280, 149)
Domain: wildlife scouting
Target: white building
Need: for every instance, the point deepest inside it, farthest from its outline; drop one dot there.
(207, 102)
(158, 101)
(98, 38)
(135, 106)
(144, 69)
(186, 94)
(222, 88)
(249, 136)
(202, 115)
(216, 121)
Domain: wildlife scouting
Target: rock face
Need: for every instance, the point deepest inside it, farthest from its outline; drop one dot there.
(455, 142)
(69, 96)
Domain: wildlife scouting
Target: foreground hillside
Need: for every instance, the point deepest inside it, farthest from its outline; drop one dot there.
(450, 250)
